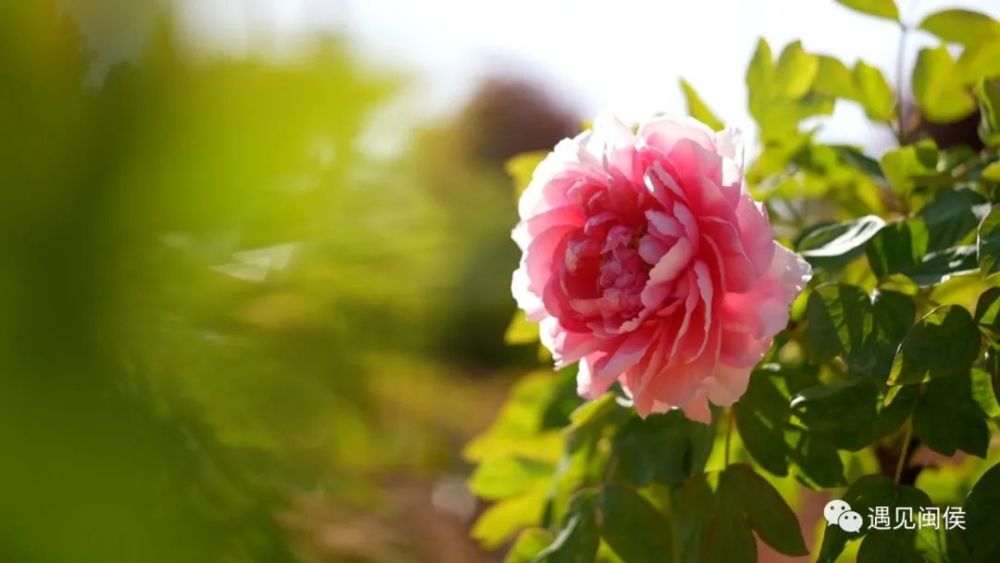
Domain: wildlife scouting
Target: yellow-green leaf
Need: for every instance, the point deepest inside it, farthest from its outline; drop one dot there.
(834, 79)
(979, 61)
(796, 71)
(874, 92)
(961, 26)
(879, 8)
(938, 88)
(697, 107)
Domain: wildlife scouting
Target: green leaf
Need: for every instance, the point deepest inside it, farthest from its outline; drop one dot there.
(817, 461)
(952, 217)
(982, 519)
(761, 416)
(984, 392)
(844, 412)
(764, 509)
(993, 367)
(760, 73)
(979, 61)
(837, 244)
(519, 429)
(905, 166)
(502, 520)
(988, 309)
(988, 94)
(961, 26)
(522, 167)
(728, 537)
(795, 72)
(578, 540)
(880, 8)
(874, 92)
(991, 172)
(988, 243)
(834, 79)
(695, 501)
(501, 477)
(904, 247)
(667, 448)
(698, 109)
(938, 88)
(947, 417)
(882, 545)
(865, 331)
(528, 545)
(635, 530)
(944, 343)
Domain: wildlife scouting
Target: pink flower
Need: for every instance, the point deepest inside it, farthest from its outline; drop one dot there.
(645, 260)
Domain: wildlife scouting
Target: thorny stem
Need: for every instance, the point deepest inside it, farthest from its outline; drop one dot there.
(903, 452)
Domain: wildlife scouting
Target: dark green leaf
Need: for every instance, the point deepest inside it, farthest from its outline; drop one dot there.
(938, 88)
(863, 496)
(697, 108)
(635, 530)
(944, 343)
(904, 248)
(667, 448)
(897, 545)
(844, 321)
(947, 418)
(874, 92)
(880, 8)
(961, 26)
(988, 243)
(982, 519)
(844, 412)
(578, 540)
(695, 501)
(761, 416)
(728, 537)
(816, 459)
(952, 217)
(765, 510)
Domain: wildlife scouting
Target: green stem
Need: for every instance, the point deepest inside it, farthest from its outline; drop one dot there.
(904, 451)
(729, 433)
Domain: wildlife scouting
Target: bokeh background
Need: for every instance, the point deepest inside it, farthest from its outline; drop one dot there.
(254, 256)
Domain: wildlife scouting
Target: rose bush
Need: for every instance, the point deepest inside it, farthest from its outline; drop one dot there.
(659, 277)
(646, 260)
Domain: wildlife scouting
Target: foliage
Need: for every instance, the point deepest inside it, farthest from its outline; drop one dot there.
(890, 352)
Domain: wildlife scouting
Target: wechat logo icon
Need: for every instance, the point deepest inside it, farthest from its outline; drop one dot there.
(839, 513)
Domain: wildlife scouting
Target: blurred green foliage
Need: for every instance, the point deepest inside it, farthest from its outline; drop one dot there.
(215, 300)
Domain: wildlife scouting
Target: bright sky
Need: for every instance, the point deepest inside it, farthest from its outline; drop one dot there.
(621, 56)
